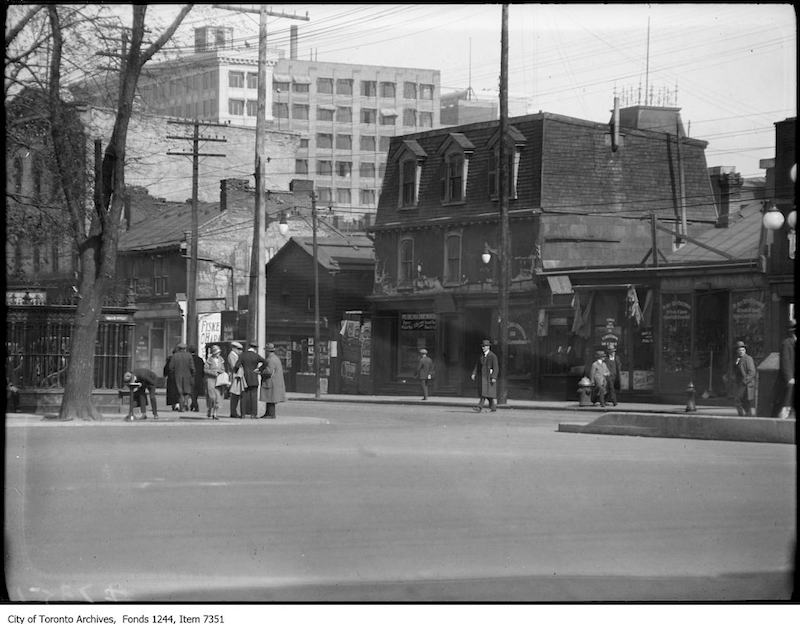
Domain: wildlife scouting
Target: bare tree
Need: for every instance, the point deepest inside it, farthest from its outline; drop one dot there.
(95, 227)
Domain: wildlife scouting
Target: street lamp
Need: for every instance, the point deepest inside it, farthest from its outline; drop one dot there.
(774, 220)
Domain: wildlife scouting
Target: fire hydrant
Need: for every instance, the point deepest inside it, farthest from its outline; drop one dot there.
(584, 392)
(690, 396)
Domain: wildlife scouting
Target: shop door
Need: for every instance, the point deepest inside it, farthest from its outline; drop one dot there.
(711, 351)
(448, 365)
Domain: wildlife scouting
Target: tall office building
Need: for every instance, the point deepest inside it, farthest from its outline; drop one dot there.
(345, 113)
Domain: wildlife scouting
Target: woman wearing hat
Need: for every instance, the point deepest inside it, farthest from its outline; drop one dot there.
(273, 388)
(744, 381)
(237, 379)
(214, 365)
(487, 371)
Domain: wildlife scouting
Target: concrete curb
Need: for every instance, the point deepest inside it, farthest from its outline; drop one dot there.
(730, 428)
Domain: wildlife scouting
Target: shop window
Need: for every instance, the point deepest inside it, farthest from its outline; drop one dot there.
(415, 332)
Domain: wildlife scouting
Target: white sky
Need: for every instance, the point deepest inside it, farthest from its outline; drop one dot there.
(734, 65)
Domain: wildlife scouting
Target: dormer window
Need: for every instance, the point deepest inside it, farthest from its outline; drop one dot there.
(409, 158)
(514, 144)
(455, 152)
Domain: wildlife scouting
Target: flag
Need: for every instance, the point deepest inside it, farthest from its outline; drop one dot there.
(633, 309)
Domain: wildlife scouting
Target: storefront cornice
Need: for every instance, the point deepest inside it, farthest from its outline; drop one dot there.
(670, 268)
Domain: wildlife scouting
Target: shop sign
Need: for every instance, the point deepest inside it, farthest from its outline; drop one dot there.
(677, 311)
(417, 322)
(208, 330)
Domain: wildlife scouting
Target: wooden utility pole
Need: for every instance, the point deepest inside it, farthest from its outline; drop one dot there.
(503, 184)
(257, 305)
(316, 292)
(191, 287)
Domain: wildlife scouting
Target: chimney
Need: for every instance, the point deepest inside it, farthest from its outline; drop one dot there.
(227, 192)
(293, 42)
(727, 185)
(657, 118)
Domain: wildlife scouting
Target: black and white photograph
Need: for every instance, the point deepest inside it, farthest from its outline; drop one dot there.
(378, 305)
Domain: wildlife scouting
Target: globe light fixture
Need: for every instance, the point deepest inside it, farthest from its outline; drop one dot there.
(486, 256)
(773, 219)
(283, 225)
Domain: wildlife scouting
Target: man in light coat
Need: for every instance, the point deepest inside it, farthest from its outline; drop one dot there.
(487, 370)
(425, 372)
(273, 387)
(600, 378)
(181, 367)
(237, 382)
(744, 380)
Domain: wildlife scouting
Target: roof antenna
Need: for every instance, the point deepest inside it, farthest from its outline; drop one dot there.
(647, 66)
(469, 86)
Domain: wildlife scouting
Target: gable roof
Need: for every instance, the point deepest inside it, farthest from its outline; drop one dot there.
(157, 225)
(335, 253)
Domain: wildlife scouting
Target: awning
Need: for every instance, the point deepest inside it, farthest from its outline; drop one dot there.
(388, 112)
(329, 107)
(559, 284)
(281, 78)
(301, 79)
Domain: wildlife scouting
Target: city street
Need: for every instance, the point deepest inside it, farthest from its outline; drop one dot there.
(348, 502)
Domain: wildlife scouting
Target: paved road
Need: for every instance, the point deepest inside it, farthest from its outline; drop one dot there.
(392, 503)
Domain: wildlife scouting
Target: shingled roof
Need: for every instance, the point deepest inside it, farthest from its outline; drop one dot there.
(334, 252)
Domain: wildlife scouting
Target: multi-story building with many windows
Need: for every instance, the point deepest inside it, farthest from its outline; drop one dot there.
(345, 113)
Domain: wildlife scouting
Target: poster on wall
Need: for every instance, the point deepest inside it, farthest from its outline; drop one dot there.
(209, 327)
(747, 315)
(365, 339)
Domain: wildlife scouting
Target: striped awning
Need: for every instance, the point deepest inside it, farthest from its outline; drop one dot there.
(281, 78)
(301, 79)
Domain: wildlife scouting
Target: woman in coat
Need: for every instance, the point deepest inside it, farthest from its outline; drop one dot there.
(213, 366)
(173, 398)
(486, 371)
(273, 388)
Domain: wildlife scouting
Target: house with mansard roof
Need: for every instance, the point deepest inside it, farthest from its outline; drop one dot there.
(583, 197)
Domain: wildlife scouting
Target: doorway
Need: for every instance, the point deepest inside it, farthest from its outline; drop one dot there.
(711, 344)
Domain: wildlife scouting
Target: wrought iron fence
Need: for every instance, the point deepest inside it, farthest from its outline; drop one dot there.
(38, 339)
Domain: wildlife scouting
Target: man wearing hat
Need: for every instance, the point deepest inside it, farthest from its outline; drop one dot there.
(251, 364)
(744, 380)
(237, 382)
(783, 401)
(145, 381)
(273, 387)
(487, 371)
(424, 372)
(601, 377)
(181, 367)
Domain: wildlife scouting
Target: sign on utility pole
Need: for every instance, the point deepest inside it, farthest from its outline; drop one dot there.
(257, 317)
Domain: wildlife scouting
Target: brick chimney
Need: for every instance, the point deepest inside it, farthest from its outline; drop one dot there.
(727, 186)
(231, 190)
(293, 42)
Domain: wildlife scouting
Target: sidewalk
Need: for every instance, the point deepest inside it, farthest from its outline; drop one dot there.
(635, 419)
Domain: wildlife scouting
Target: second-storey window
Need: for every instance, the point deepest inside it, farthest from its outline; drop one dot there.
(236, 79)
(252, 80)
(453, 178)
(405, 262)
(452, 250)
(160, 286)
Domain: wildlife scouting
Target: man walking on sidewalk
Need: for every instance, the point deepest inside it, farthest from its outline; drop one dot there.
(424, 372)
(744, 376)
(487, 371)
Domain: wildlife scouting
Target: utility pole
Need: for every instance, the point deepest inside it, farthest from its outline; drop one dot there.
(316, 292)
(191, 290)
(503, 184)
(257, 318)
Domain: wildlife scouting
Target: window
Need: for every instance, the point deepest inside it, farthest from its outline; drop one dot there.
(344, 114)
(252, 108)
(367, 170)
(324, 140)
(452, 180)
(206, 80)
(159, 276)
(344, 168)
(368, 115)
(300, 111)
(366, 143)
(300, 87)
(388, 117)
(301, 166)
(37, 177)
(367, 197)
(344, 86)
(409, 117)
(303, 143)
(324, 114)
(344, 142)
(493, 181)
(426, 92)
(342, 196)
(369, 88)
(236, 79)
(408, 183)
(426, 120)
(54, 257)
(452, 266)
(384, 143)
(405, 256)
(324, 85)
(382, 170)
(324, 167)
(324, 195)
(236, 107)
(280, 86)
(252, 80)
(410, 90)
(280, 110)
(388, 90)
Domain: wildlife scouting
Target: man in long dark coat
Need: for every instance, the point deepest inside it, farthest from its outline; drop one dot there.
(181, 366)
(783, 394)
(744, 376)
(173, 397)
(199, 388)
(486, 371)
(273, 386)
(251, 364)
(614, 366)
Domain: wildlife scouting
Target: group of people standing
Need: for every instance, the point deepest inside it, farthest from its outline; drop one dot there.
(244, 376)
